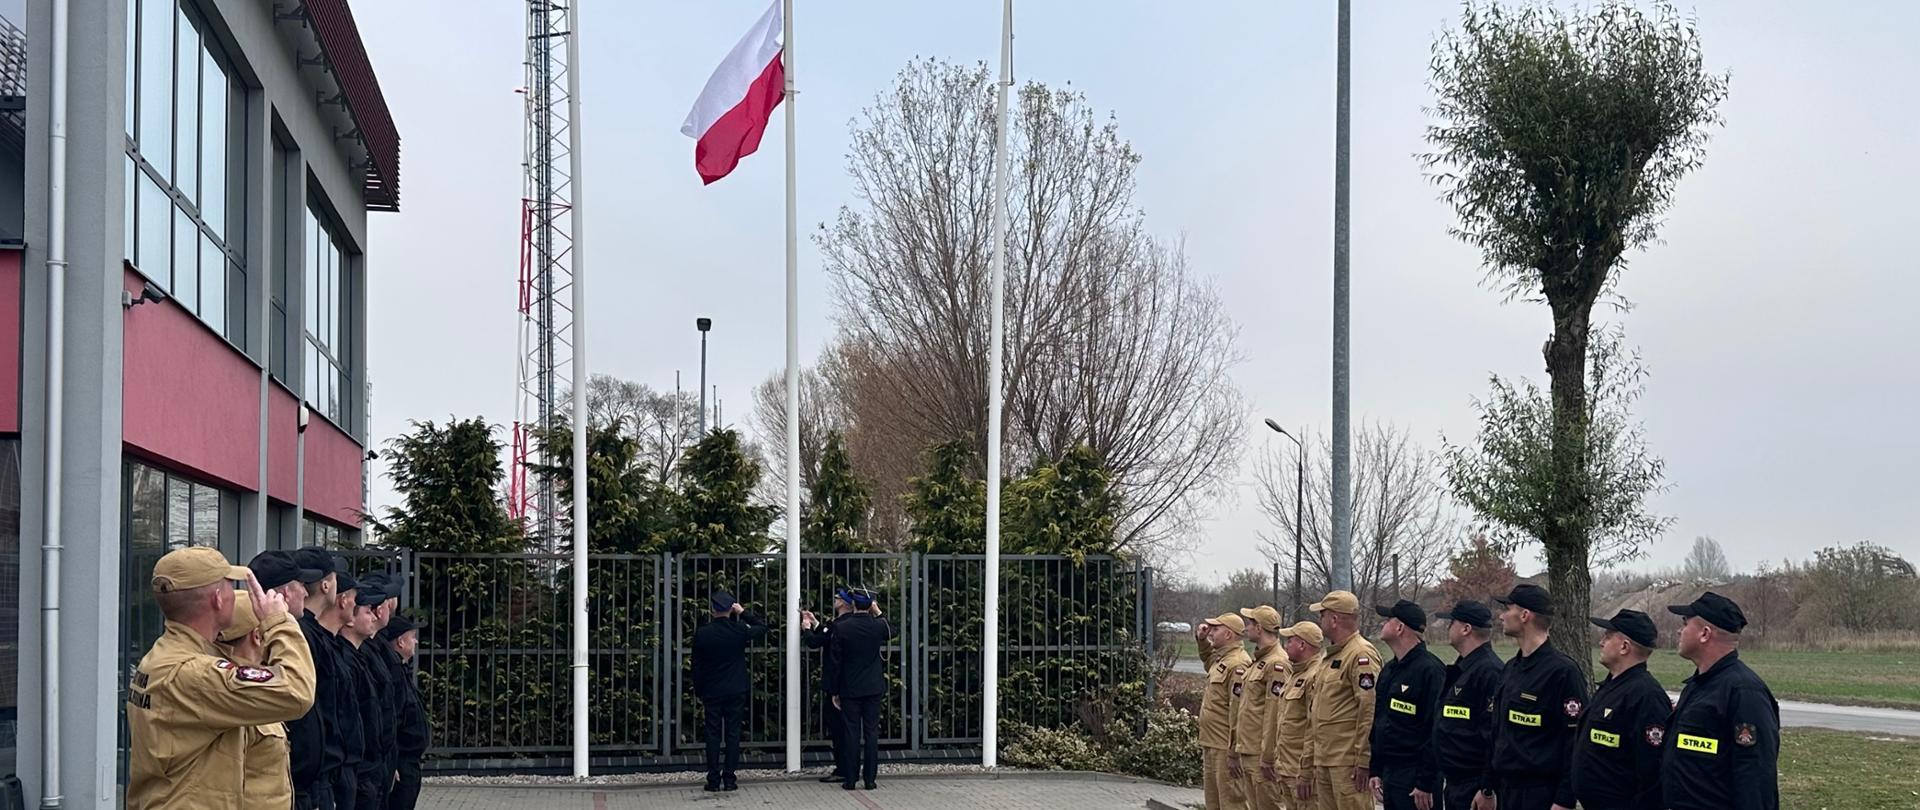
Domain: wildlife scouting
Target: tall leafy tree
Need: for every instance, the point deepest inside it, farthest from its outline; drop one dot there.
(1479, 572)
(448, 478)
(715, 511)
(837, 504)
(627, 506)
(1064, 507)
(1559, 138)
(947, 507)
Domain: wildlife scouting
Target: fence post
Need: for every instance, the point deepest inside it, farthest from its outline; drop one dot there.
(1152, 628)
(663, 652)
(916, 654)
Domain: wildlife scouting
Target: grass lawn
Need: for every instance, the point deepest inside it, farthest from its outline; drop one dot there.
(1831, 770)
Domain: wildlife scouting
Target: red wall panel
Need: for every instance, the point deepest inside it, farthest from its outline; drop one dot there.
(333, 472)
(283, 444)
(189, 397)
(10, 314)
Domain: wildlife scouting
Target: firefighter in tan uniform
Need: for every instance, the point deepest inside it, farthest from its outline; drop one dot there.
(1226, 660)
(189, 708)
(269, 763)
(1342, 715)
(1259, 697)
(1287, 747)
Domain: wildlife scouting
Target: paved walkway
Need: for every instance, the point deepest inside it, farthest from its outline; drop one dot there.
(981, 792)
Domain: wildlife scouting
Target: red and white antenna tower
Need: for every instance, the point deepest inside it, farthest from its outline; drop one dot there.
(546, 269)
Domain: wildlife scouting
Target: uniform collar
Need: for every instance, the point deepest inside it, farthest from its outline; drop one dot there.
(1352, 640)
(187, 635)
(1484, 651)
(1540, 653)
(1414, 651)
(1635, 671)
(1731, 659)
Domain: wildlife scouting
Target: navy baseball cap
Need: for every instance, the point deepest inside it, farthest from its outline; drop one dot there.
(1529, 596)
(1469, 611)
(273, 568)
(313, 561)
(722, 601)
(862, 598)
(1636, 626)
(1407, 612)
(398, 626)
(1717, 610)
(347, 580)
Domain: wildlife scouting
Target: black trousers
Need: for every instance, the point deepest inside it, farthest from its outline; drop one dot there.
(863, 735)
(345, 787)
(406, 792)
(723, 716)
(837, 733)
(374, 786)
(1458, 793)
(1526, 795)
(1396, 786)
(317, 796)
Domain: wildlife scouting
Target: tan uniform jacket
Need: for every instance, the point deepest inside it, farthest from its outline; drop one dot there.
(190, 711)
(1257, 697)
(1222, 695)
(1342, 710)
(269, 767)
(1294, 721)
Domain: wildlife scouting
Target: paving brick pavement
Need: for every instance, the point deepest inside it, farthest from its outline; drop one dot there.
(996, 792)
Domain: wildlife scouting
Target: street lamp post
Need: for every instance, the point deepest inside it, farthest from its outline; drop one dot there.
(1299, 507)
(704, 325)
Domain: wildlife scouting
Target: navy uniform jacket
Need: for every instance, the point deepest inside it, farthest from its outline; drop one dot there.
(720, 655)
(375, 734)
(821, 636)
(308, 746)
(1616, 761)
(858, 638)
(1722, 747)
(1463, 733)
(1404, 705)
(411, 732)
(1536, 712)
(346, 714)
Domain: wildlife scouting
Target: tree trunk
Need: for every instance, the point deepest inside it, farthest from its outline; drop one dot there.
(1566, 539)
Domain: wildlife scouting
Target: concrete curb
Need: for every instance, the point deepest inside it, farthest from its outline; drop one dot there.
(999, 774)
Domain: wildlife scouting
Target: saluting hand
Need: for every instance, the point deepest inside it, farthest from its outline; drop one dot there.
(737, 609)
(266, 604)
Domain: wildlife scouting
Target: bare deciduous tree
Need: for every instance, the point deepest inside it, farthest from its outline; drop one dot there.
(663, 423)
(1706, 561)
(1400, 507)
(1111, 340)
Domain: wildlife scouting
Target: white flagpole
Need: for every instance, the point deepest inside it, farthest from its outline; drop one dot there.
(793, 412)
(997, 268)
(575, 176)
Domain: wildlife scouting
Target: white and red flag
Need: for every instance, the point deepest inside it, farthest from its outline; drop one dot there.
(732, 110)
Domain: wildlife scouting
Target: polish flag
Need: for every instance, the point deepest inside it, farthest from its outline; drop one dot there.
(732, 111)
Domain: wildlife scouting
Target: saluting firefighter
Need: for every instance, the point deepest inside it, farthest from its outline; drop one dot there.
(1341, 745)
(1616, 761)
(1405, 703)
(1219, 642)
(1536, 711)
(266, 762)
(1723, 743)
(1288, 746)
(1259, 694)
(1463, 733)
(189, 708)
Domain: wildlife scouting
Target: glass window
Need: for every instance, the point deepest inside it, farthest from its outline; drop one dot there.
(186, 260)
(329, 284)
(156, 83)
(180, 122)
(132, 205)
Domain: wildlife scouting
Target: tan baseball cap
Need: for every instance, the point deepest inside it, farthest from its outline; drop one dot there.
(1306, 630)
(1338, 602)
(194, 567)
(1265, 616)
(244, 620)
(1230, 621)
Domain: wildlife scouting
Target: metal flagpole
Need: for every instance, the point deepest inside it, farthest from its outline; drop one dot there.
(1342, 573)
(575, 176)
(997, 268)
(793, 413)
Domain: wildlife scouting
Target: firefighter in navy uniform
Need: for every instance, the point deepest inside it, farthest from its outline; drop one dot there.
(1463, 733)
(1405, 704)
(818, 635)
(1723, 743)
(1616, 760)
(1536, 712)
(411, 731)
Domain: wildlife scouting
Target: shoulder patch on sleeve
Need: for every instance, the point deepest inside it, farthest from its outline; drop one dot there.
(1571, 707)
(1655, 735)
(1276, 687)
(1366, 680)
(1744, 735)
(223, 664)
(254, 674)
(1362, 661)
(1238, 671)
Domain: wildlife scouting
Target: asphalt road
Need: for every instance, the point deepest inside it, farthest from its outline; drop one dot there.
(1793, 713)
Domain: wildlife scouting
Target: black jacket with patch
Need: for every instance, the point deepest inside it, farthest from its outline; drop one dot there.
(1536, 712)
(1722, 747)
(1616, 760)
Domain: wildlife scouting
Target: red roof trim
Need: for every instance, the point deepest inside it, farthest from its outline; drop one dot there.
(346, 56)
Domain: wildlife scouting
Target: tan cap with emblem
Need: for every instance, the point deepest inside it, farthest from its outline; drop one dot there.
(1231, 621)
(1265, 616)
(1306, 630)
(1338, 602)
(195, 567)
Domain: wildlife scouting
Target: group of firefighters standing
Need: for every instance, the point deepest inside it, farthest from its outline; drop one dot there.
(1317, 718)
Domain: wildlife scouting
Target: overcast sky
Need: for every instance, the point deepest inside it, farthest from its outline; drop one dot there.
(1775, 316)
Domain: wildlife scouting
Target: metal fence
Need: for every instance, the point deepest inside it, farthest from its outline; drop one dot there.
(494, 649)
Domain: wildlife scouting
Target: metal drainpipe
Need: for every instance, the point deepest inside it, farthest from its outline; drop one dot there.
(50, 541)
